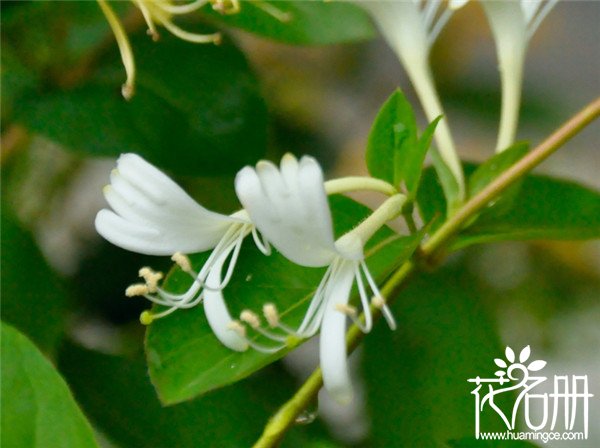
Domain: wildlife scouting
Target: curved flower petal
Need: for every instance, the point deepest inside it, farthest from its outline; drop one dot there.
(216, 310)
(153, 215)
(333, 356)
(290, 208)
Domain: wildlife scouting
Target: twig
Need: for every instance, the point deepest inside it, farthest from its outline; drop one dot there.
(286, 416)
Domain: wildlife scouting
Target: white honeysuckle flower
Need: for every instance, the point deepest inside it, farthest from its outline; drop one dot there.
(152, 215)
(410, 28)
(513, 23)
(289, 206)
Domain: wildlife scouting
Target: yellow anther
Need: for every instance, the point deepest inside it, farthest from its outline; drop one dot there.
(348, 310)
(182, 261)
(138, 289)
(271, 314)
(250, 318)
(151, 277)
(378, 302)
(226, 6)
(146, 317)
(236, 326)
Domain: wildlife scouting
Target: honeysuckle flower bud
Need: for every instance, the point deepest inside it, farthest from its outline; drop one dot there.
(152, 215)
(411, 27)
(513, 23)
(289, 206)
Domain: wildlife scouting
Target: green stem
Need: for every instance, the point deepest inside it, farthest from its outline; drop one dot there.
(410, 222)
(287, 414)
(511, 175)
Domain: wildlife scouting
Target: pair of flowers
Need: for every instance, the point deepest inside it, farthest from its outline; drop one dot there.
(411, 27)
(288, 205)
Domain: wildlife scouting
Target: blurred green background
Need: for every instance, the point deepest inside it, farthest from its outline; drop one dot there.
(201, 112)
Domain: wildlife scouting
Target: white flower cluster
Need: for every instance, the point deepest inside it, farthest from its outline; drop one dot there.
(288, 205)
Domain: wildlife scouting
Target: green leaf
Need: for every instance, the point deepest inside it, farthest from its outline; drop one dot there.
(392, 141)
(494, 166)
(50, 38)
(491, 169)
(16, 80)
(310, 23)
(119, 398)
(197, 110)
(416, 377)
(185, 358)
(544, 208)
(448, 182)
(37, 407)
(33, 297)
(413, 165)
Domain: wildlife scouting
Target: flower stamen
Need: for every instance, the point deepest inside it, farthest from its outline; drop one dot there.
(240, 329)
(151, 278)
(183, 262)
(138, 289)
